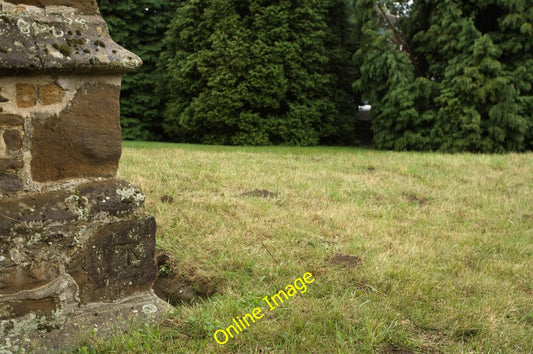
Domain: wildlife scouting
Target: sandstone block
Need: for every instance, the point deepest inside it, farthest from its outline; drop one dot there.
(88, 202)
(13, 140)
(50, 94)
(11, 120)
(119, 261)
(2, 98)
(114, 198)
(9, 183)
(10, 164)
(26, 95)
(40, 307)
(83, 141)
(14, 279)
(9, 179)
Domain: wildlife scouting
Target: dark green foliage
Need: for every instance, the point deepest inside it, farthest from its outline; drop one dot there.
(462, 81)
(139, 26)
(258, 72)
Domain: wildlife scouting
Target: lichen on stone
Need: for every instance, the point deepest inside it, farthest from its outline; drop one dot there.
(149, 309)
(35, 238)
(130, 195)
(11, 329)
(79, 205)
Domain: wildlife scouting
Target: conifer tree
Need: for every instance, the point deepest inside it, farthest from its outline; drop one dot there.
(140, 26)
(451, 76)
(254, 72)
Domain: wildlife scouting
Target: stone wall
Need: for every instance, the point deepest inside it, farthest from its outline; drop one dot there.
(72, 236)
(55, 129)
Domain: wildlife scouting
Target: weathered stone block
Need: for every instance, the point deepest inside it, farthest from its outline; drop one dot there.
(40, 307)
(11, 120)
(13, 140)
(59, 39)
(10, 164)
(10, 183)
(37, 209)
(88, 202)
(26, 96)
(119, 261)
(2, 98)
(83, 141)
(113, 198)
(16, 278)
(50, 94)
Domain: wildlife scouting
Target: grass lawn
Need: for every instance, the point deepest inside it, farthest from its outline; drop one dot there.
(409, 252)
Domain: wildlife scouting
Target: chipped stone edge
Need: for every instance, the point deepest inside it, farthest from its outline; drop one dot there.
(91, 320)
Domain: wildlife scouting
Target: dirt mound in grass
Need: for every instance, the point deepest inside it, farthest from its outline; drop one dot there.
(183, 287)
(259, 193)
(345, 260)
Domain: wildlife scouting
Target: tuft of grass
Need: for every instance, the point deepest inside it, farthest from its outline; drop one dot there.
(443, 245)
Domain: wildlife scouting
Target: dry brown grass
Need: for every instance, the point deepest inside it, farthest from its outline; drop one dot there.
(444, 246)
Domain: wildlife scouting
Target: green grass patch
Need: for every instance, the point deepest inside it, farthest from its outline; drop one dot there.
(441, 248)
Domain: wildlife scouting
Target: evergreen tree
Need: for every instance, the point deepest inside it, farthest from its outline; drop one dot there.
(451, 76)
(140, 27)
(340, 45)
(254, 72)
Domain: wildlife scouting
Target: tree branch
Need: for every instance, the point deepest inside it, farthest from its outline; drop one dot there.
(400, 38)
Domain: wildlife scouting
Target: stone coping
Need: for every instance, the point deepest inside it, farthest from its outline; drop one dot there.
(62, 39)
(83, 5)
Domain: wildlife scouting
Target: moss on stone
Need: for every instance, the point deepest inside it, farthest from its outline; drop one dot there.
(99, 43)
(63, 49)
(76, 41)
